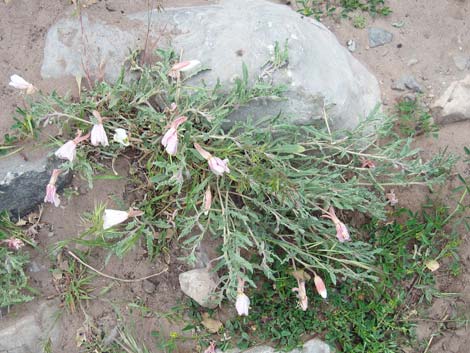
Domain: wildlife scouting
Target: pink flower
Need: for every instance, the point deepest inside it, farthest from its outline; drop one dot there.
(216, 165)
(14, 243)
(170, 139)
(98, 134)
(301, 294)
(68, 149)
(51, 195)
(207, 200)
(211, 348)
(243, 302)
(342, 232)
(320, 286)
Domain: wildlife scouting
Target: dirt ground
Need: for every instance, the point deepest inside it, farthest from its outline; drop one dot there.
(431, 34)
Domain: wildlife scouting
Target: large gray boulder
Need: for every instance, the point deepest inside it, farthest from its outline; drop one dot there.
(320, 71)
(23, 181)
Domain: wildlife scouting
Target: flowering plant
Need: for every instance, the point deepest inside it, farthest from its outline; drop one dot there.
(288, 194)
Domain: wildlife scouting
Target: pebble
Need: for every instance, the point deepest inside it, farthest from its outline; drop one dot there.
(34, 267)
(378, 37)
(148, 287)
(412, 62)
(407, 82)
(351, 44)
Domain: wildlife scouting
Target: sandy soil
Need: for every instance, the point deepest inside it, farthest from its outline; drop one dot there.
(432, 34)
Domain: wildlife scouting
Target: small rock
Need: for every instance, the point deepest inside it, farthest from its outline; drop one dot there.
(148, 287)
(412, 62)
(315, 346)
(454, 104)
(34, 267)
(351, 44)
(378, 37)
(407, 82)
(200, 284)
(462, 62)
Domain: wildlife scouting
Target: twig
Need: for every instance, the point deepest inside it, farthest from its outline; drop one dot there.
(112, 277)
(149, 22)
(84, 40)
(457, 208)
(326, 123)
(429, 344)
(12, 153)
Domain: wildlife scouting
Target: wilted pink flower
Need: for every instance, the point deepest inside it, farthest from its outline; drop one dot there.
(342, 232)
(51, 195)
(19, 82)
(320, 286)
(170, 139)
(207, 200)
(243, 302)
(68, 149)
(14, 243)
(98, 134)
(216, 165)
(301, 294)
(113, 217)
(367, 163)
(211, 348)
(392, 198)
(183, 66)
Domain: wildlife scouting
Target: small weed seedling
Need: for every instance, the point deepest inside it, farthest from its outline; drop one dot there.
(72, 283)
(320, 8)
(13, 279)
(414, 119)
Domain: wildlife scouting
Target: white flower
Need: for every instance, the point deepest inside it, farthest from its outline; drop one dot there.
(170, 141)
(98, 135)
(113, 217)
(67, 151)
(19, 82)
(242, 304)
(320, 286)
(191, 64)
(120, 136)
(183, 66)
